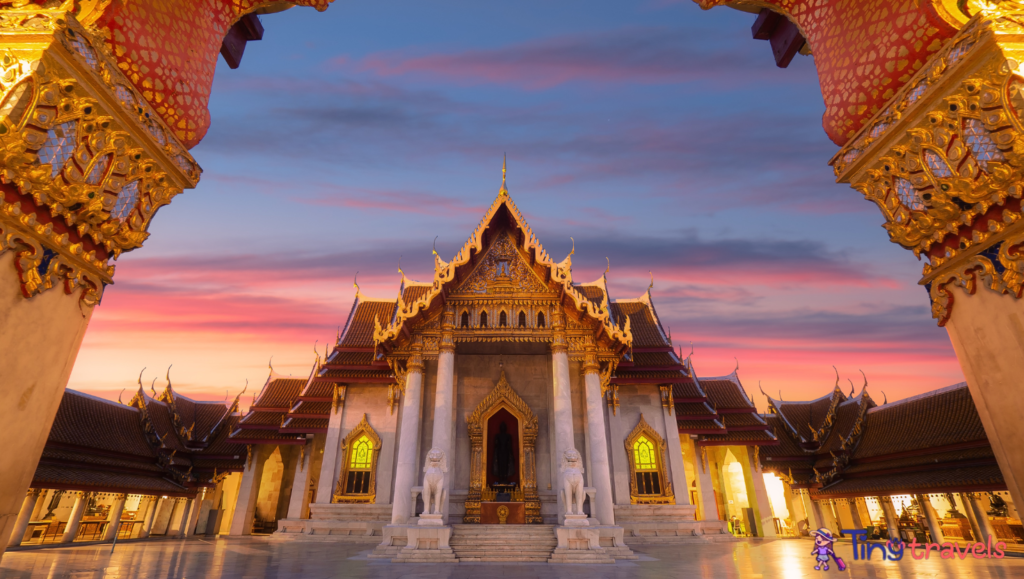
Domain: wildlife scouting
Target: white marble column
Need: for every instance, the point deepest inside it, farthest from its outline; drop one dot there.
(330, 466)
(981, 515)
(301, 480)
(812, 512)
(706, 487)
(21, 524)
(564, 436)
(766, 519)
(408, 442)
(114, 518)
(443, 410)
(248, 492)
(196, 505)
(600, 468)
(680, 486)
(892, 523)
(44, 498)
(934, 526)
(186, 517)
(71, 530)
(151, 510)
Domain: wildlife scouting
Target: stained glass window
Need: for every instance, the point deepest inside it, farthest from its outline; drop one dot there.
(643, 454)
(362, 454)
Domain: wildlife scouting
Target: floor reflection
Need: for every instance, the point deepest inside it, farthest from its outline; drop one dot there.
(256, 558)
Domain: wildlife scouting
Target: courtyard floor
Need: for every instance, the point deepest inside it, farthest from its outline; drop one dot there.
(257, 558)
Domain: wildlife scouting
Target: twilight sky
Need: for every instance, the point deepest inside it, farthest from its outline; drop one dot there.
(656, 135)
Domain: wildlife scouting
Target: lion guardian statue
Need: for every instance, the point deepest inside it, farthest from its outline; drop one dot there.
(433, 481)
(572, 482)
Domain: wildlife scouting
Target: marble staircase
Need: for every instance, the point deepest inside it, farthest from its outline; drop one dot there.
(520, 543)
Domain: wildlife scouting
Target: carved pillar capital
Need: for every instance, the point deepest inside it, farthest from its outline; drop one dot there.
(943, 162)
(415, 361)
(447, 343)
(590, 364)
(558, 342)
(87, 161)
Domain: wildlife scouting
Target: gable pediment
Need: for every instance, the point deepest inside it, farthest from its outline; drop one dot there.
(502, 270)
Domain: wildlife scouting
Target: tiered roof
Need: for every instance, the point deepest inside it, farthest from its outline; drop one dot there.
(99, 445)
(721, 413)
(930, 443)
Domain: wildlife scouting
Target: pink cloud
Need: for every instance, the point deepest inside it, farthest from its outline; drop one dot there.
(636, 55)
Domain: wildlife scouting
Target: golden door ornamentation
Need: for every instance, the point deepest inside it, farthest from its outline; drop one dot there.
(503, 397)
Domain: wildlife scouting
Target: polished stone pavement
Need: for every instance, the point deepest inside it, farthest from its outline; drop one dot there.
(257, 558)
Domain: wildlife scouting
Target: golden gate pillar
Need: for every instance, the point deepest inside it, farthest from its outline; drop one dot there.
(99, 105)
(926, 100)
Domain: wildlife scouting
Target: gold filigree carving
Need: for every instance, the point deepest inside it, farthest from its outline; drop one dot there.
(560, 279)
(665, 494)
(340, 494)
(503, 397)
(89, 164)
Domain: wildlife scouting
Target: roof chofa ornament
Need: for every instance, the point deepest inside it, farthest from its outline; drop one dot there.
(504, 188)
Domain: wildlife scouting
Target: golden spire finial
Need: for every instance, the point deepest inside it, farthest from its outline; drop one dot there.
(355, 282)
(504, 188)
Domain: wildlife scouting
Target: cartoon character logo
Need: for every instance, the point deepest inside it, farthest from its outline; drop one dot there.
(823, 541)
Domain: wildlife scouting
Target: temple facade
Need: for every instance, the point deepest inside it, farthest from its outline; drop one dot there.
(505, 367)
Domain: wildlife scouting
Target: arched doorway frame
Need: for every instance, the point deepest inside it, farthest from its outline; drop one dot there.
(503, 397)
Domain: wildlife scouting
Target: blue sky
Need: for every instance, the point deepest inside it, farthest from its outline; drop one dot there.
(657, 135)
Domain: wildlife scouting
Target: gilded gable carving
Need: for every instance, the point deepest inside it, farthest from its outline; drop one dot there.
(503, 268)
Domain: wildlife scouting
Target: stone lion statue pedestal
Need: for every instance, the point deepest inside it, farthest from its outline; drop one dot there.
(577, 542)
(428, 538)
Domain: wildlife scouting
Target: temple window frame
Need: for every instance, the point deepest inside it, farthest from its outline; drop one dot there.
(464, 319)
(658, 474)
(522, 319)
(341, 495)
(482, 323)
(503, 319)
(540, 320)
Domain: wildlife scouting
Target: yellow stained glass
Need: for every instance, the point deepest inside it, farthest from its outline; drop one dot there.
(643, 454)
(362, 453)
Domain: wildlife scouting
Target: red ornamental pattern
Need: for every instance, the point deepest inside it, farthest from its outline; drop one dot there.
(864, 50)
(169, 49)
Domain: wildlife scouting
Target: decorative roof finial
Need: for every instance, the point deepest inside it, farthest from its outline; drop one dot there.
(852, 388)
(119, 395)
(504, 188)
(865, 379)
(609, 268)
(355, 282)
(140, 377)
(691, 347)
(573, 250)
(169, 377)
(270, 364)
(152, 389)
(837, 375)
(737, 364)
(400, 266)
(761, 389)
(885, 399)
(650, 287)
(435, 244)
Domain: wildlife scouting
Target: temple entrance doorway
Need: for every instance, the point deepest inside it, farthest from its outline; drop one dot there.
(502, 455)
(503, 470)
